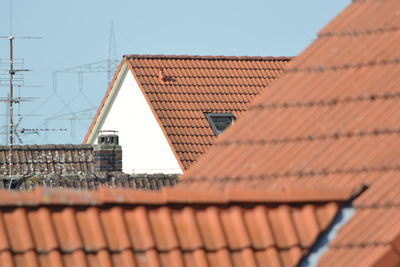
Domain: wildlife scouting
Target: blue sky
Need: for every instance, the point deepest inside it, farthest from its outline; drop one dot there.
(77, 32)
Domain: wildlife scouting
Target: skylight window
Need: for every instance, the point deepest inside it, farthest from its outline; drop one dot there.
(219, 121)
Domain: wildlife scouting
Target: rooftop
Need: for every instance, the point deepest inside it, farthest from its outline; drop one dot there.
(120, 227)
(47, 159)
(181, 89)
(332, 119)
(68, 166)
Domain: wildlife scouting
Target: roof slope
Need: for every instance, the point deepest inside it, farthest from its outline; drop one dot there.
(333, 118)
(47, 159)
(192, 85)
(111, 227)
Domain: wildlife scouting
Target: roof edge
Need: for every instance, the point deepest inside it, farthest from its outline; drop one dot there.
(97, 117)
(43, 196)
(209, 57)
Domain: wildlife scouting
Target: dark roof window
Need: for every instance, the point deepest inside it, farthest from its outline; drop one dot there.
(219, 121)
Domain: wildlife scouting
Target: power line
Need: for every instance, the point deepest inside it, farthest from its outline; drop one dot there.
(112, 54)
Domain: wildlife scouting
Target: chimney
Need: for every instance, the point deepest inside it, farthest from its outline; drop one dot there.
(107, 154)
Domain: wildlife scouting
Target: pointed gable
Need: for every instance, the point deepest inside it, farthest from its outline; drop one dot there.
(182, 90)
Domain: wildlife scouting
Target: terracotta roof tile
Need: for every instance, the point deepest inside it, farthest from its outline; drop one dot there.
(357, 17)
(332, 120)
(114, 227)
(376, 256)
(200, 84)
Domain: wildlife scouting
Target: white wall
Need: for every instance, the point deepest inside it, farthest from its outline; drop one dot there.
(145, 148)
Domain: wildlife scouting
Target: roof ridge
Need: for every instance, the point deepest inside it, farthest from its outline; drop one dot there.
(47, 147)
(207, 57)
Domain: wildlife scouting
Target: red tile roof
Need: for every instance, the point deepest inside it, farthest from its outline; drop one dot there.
(173, 227)
(372, 237)
(194, 85)
(333, 118)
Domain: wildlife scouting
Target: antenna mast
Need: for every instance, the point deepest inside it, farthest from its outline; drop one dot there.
(11, 100)
(11, 96)
(11, 73)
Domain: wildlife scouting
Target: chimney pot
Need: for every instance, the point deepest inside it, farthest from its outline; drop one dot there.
(107, 154)
(108, 137)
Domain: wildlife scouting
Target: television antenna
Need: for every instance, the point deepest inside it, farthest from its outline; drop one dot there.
(14, 75)
(16, 131)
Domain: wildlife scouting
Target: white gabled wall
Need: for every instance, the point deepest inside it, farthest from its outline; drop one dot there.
(145, 148)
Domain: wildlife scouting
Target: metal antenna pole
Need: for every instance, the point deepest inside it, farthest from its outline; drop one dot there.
(10, 100)
(11, 127)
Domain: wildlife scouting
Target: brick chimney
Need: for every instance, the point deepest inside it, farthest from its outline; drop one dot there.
(107, 154)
